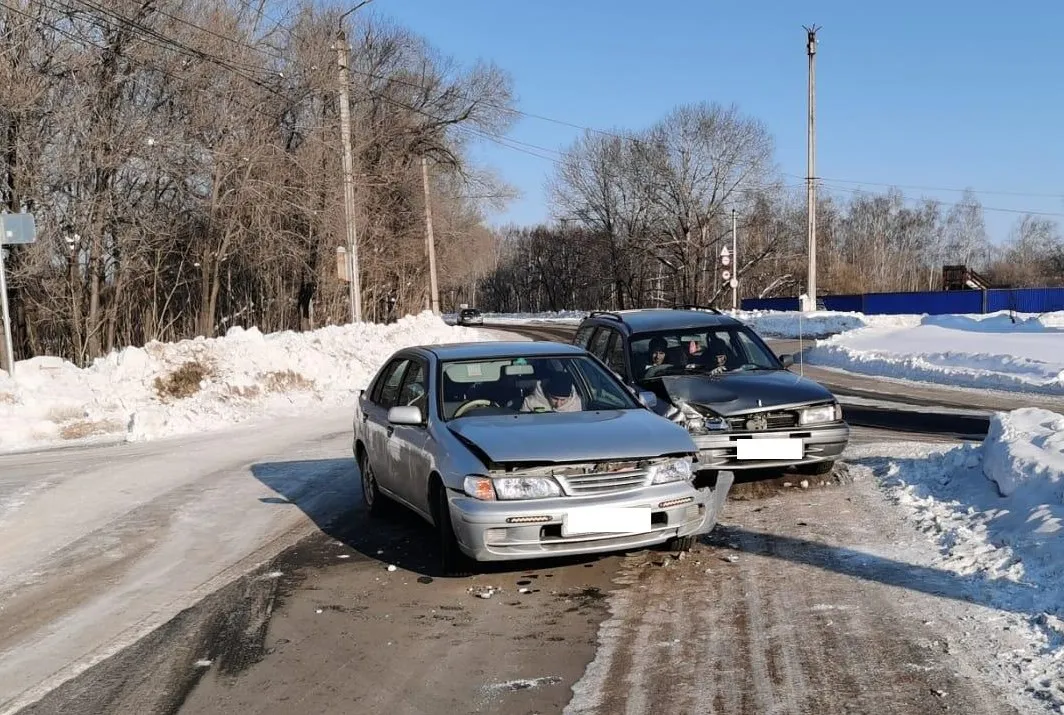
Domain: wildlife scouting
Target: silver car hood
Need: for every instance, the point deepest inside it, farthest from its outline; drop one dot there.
(738, 392)
(573, 436)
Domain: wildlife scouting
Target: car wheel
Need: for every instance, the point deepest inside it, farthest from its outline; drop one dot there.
(681, 543)
(453, 561)
(376, 503)
(817, 468)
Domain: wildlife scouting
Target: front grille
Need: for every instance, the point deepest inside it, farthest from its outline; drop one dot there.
(602, 483)
(775, 420)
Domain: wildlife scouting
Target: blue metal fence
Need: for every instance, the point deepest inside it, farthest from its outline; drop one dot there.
(1021, 300)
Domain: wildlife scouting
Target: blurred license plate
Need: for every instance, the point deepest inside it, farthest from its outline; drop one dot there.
(772, 448)
(606, 520)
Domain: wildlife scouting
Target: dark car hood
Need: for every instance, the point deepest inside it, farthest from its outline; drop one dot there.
(738, 392)
(573, 436)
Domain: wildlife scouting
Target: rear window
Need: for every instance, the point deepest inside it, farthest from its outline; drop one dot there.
(470, 312)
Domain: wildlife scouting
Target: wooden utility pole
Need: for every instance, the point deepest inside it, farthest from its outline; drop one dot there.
(434, 291)
(810, 48)
(354, 283)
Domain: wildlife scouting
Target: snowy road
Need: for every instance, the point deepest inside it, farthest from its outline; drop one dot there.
(101, 544)
(832, 606)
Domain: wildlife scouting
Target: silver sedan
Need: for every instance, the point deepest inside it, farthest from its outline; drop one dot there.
(517, 450)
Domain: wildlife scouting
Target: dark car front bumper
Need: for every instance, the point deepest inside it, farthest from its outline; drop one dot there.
(820, 443)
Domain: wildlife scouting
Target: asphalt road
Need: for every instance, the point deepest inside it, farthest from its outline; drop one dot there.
(805, 599)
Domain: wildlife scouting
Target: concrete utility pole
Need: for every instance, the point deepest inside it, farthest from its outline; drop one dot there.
(354, 283)
(735, 259)
(434, 291)
(810, 48)
(7, 349)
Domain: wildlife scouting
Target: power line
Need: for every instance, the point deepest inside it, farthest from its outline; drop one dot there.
(954, 204)
(941, 188)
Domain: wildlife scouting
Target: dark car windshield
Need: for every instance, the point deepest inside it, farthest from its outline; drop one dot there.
(470, 312)
(731, 347)
(513, 385)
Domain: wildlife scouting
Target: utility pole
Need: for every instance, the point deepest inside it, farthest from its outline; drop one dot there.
(735, 258)
(429, 240)
(810, 48)
(7, 349)
(354, 282)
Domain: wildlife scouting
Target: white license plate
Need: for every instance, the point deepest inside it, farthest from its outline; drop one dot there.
(606, 520)
(769, 448)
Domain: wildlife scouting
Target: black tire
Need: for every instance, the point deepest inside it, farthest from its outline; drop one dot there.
(376, 503)
(453, 561)
(816, 468)
(681, 543)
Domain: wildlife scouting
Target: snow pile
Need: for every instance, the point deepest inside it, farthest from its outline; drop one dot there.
(995, 510)
(165, 389)
(563, 317)
(1024, 449)
(816, 324)
(1000, 322)
(989, 352)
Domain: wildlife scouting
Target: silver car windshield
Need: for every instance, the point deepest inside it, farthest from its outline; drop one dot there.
(715, 350)
(473, 388)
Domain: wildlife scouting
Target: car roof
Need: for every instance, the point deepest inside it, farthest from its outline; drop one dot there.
(653, 319)
(500, 349)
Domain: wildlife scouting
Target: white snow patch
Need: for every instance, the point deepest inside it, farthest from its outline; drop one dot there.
(1025, 448)
(983, 351)
(242, 375)
(995, 511)
(815, 324)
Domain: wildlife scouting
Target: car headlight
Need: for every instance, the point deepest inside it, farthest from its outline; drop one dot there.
(821, 413)
(675, 470)
(509, 488)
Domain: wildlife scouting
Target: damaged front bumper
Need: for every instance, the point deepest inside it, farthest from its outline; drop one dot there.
(820, 443)
(509, 530)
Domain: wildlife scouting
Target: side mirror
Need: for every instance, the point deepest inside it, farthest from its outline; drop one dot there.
(648, 398)
(787, 360)
(405, 415)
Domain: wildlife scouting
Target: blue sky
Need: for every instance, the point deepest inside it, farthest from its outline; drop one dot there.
(938, 93)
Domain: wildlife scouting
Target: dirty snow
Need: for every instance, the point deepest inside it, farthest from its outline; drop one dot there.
(246, 375)
(978, 351)
(994, 510)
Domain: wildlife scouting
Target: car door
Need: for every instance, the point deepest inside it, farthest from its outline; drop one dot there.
(377, 428)
(410, 446)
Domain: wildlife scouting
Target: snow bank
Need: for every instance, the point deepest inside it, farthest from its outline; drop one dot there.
(996, 511)
(816, 324)
(563, 317)
(166, 389)
(1025, 449)
(989, 352)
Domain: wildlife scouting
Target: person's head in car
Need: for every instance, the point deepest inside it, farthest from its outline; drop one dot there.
(717, 353)
(558, 388)
(657, 351)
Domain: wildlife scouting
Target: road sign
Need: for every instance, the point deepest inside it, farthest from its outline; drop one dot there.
(17, 228)
(733, 283)
(725, 275)
(725, 260)
(724, 252)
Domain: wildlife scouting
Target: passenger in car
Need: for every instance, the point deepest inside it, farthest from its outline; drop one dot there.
(658, 351)
(554, 393)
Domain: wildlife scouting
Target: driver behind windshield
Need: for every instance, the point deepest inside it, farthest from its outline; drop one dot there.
(555, 393)
(657, 349)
